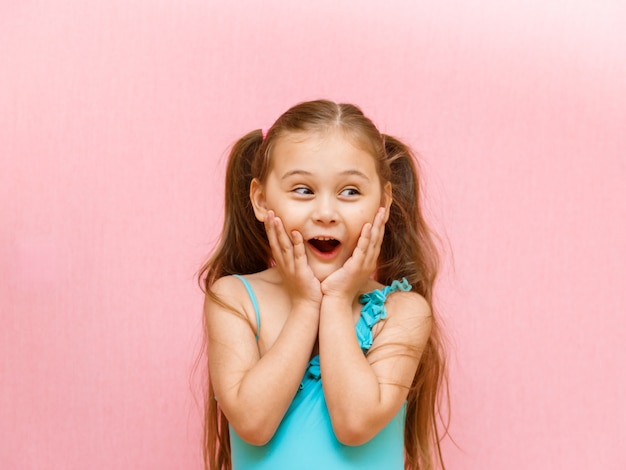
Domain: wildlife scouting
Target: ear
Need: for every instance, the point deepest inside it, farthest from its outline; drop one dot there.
(387, 199)
(257, 198)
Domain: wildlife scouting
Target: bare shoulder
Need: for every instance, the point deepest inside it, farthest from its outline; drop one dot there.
(229, 312)
(401, 337)
(409, 318)
(225, 284)
(408, 304)
(264, 308)
(233, 287)
(229, 290)
(402, 303)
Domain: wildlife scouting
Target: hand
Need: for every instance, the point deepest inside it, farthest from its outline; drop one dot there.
(346, 281)
(291, 262)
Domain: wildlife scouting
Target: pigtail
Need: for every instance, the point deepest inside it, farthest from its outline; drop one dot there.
(409, 250)
(243, 249)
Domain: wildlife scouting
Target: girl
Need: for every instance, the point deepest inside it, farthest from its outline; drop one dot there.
(323, 347)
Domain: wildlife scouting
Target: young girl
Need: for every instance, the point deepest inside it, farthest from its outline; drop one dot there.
(323, 348)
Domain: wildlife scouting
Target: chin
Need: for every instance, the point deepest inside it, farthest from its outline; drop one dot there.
(322, 274)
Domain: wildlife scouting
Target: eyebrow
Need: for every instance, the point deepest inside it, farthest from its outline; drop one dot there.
(352, 172)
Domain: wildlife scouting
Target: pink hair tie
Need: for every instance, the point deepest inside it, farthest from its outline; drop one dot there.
(264, 131)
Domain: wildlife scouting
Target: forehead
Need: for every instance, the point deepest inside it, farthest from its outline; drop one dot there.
(324, 152)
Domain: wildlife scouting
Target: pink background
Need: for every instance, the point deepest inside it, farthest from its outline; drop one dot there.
(115, 118)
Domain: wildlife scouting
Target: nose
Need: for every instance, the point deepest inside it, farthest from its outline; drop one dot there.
(325, 210)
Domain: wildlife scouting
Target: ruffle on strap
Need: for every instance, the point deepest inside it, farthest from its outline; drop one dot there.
(374, 310)
(314, 368)
(312, 373)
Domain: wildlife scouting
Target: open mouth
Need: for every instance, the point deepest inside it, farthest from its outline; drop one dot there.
(324, 245)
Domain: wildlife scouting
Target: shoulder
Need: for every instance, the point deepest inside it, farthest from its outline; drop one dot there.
(231, 292)
(402, 335)
(234, 285)
(228, 289)
(226, 305)
(409, 316)
(401, 302)
(408, 303)
(398, 302)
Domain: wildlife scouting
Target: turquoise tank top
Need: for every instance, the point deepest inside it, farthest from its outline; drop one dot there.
(305, 438)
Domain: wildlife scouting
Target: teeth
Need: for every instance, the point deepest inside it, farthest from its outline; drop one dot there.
(323, 238)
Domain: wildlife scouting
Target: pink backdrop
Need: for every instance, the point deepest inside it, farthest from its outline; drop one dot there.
(114, 122)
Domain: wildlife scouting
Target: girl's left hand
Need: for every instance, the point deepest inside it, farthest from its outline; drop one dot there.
(346, 281)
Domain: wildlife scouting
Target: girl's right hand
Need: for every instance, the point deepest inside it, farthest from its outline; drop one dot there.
(291, 262)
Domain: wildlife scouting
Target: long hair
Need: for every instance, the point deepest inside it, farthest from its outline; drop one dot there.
(408, 250)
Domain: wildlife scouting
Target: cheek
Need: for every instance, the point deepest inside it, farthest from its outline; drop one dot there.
(359, 218)
(291, 216)
(367, 212)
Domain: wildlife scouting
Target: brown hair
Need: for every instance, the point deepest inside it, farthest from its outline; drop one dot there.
(408, 250)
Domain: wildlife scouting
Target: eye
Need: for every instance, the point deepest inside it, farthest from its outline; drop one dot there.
(302, 190)
(349, 192)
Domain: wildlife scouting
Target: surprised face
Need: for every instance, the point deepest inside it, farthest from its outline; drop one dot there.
(326, 188)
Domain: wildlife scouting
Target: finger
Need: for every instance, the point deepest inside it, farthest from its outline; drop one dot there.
(299, 252)
(285, 243)
(374, 240)
(270, 231)
(285, 246)
(378, 230)
(361, 248)
(280, 253)
(301, 264)
(365, 238)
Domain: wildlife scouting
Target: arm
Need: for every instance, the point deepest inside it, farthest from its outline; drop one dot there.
(254, 392)
(364, 393)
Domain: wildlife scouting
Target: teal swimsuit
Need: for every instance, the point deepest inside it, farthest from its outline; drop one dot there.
(305, 438)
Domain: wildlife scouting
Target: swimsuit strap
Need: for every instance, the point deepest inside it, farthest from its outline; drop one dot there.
(255, 304)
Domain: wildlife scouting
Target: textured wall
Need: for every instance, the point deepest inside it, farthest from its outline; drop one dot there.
(114, 122)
